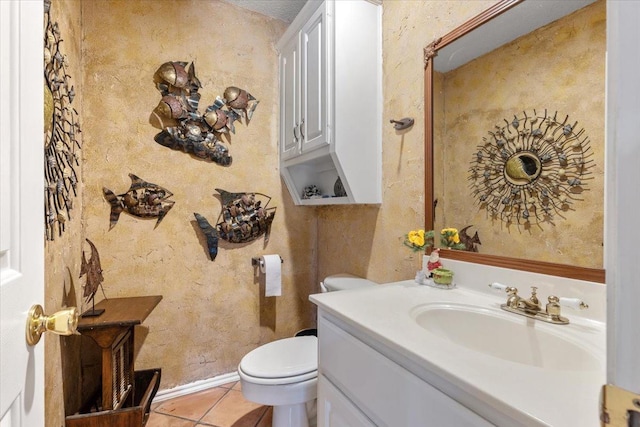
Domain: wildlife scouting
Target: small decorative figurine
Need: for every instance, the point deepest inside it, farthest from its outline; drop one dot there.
(468, 241)
(242, 219)
(183, 127)
(338, 189)
(93, 270)
(311, 192)
(434, 261)
(144, 200)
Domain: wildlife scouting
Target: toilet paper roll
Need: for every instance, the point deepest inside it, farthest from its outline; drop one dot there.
(271, 266)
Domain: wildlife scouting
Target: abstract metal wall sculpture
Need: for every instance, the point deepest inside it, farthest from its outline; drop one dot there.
(143, 200)
(61, 129)
(242, 219)
(531, 169)
(183, 127)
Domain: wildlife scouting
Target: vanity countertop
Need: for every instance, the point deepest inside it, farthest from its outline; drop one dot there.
(504, 392)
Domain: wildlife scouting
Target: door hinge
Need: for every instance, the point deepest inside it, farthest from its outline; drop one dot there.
(619, 407)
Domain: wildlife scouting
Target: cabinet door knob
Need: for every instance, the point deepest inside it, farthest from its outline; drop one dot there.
(301, 127)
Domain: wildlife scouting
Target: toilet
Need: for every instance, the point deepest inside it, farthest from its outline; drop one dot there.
(284, 373)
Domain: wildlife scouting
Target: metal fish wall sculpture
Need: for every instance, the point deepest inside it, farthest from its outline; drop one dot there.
(183, 127)
(143, 200)
(242, 219)
(93, 270)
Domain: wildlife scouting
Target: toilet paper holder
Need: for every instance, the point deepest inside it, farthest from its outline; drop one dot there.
(256, 261)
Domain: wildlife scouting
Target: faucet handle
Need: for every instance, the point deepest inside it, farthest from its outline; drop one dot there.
(575, 303)
(553, 311)
(498, 286)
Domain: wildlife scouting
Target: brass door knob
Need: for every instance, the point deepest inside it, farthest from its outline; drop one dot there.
(63, 322)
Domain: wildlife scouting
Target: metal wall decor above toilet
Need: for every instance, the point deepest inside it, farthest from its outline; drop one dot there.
(184, 128)
(242, 219)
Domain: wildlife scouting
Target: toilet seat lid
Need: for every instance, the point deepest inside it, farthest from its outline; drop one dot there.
(345, 281)
(283, 358)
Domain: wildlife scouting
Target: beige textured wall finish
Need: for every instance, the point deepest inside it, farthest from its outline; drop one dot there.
(212, 313)
(559, 67)
(367, 240)
(62, 255)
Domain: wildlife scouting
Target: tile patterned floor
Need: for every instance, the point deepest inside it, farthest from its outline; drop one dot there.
(222, 406)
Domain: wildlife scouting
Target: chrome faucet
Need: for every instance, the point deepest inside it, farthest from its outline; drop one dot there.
(531, 307)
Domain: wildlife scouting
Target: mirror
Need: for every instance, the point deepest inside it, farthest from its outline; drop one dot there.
(514, 136)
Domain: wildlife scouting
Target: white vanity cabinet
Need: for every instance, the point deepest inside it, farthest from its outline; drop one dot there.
(337, 410)
(359, 386)
(330, 62)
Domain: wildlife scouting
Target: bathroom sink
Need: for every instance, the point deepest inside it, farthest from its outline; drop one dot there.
(507, 336)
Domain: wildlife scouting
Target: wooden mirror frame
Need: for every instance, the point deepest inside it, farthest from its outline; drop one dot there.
(430, 51)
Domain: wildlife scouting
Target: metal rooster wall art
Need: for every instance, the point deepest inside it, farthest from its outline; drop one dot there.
(183, 127)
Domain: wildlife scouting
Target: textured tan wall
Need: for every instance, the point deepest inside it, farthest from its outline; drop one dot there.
(367, 240)
(559, 67)
(212, 312)
(63, 255)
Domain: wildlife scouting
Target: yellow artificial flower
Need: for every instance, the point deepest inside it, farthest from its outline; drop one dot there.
(451, 234)
(416, 237)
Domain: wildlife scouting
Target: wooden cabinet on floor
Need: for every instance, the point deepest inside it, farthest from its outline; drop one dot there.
(125, 395)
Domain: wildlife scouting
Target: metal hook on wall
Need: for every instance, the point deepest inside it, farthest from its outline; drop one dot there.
(403, 123)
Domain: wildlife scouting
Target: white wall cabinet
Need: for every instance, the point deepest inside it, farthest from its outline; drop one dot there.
(359, 384)
(330, 61)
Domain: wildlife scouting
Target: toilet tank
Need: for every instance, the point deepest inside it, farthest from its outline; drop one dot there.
(344, 281)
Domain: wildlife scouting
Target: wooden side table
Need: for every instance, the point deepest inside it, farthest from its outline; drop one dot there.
(126, 394)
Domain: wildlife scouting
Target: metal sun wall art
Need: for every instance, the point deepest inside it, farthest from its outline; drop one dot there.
(143, 200)
(531, 169)
(242, 219)
(183, 127)
(61, 129)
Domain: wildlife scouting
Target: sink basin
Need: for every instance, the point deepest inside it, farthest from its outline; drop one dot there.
(507, 336)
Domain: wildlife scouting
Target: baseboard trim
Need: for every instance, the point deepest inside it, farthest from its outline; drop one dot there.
(196, 386)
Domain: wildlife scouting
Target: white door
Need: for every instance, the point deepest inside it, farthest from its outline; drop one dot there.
(21, 210)
(623, 195)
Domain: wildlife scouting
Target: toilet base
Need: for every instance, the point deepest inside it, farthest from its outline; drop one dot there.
(290, 416)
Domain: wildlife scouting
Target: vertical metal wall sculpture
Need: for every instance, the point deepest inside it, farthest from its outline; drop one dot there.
(61, 129)
(183, 127)
(242, 219)
(93, 270)
(531, 169)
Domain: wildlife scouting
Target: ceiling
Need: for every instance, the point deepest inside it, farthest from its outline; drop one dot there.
(285, 10)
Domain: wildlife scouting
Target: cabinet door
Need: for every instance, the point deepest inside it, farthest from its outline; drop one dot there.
(290, 99)
(335, 410)
(313, 122)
